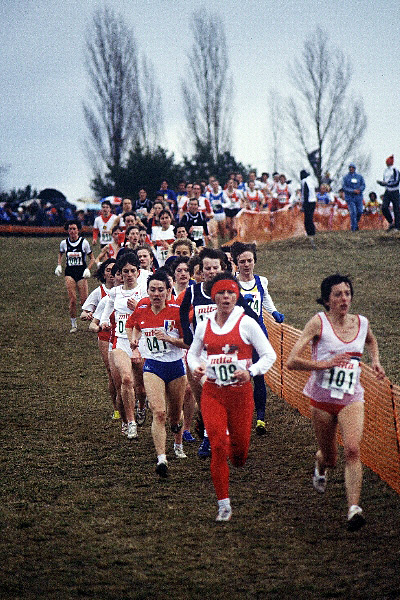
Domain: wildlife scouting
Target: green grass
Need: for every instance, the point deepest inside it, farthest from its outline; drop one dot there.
(82, 514)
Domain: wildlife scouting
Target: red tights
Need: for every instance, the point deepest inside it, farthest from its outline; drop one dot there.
(229, 407)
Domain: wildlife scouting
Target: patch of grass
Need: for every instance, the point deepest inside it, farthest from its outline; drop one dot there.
(82, 513)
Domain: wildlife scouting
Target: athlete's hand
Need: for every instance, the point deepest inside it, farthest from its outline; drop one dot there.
(241, 375)
(58, 270)
(198, 373)
(279, 317)
(131, 303)
(335, 361)
(105, 327)
(86, 273)
(378, 370)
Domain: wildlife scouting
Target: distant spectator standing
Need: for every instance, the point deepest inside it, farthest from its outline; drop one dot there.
(391, 180)
(169, 197)
(308, 199)
(354, 185)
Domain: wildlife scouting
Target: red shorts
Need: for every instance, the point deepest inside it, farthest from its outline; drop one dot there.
(329, 407)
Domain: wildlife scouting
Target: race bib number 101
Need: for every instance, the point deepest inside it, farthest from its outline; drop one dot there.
(341, 380)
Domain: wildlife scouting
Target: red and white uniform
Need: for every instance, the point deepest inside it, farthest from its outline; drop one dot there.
(339, 385)
(102, 228)
(247, 333)
(232, 200)
(146, 321)
(160, 237)
(253, 200)
(225, 404)
(281, 192)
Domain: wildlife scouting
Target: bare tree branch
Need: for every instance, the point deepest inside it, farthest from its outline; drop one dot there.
(208, 88)
(322, 115)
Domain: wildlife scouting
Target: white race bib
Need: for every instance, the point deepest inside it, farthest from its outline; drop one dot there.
(341, 379)
(74, 259)
(221, 368)
(156, 346)
(197, 232)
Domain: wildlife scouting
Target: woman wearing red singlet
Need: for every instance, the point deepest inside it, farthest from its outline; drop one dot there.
(229, 337)
(337, 398)
(111, 250)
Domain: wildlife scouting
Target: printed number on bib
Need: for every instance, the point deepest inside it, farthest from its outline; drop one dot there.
(156, 346)
(121, 322)
(223, 368)
(75, 259)
(197, 232)
(106, 238)
(341, 380)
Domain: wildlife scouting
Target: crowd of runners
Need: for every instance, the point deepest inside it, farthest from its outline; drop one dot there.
(180, 330)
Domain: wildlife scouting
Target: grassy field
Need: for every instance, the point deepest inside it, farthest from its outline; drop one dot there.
(83, 514)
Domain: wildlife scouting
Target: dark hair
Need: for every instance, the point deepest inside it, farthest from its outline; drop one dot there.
(213, 253)
(373, 195)
(72, 222)
(128, 257)
(193, 261)
(160, 275)
(327, 285)
(238, 248)
(106, 202)
(100, 271)
(166, 212)
(114, 229)
(177, 262)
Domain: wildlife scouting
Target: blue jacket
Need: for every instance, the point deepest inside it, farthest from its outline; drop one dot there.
(351, 182)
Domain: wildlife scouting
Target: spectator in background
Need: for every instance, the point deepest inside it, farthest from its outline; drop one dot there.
(323, 196)
(372, 205)
(142, 206)
(308, 199)
(391, 180)
(169, 197)
(354, 185)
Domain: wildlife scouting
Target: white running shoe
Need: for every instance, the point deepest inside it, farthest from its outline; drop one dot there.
(124, 428)
(179, 453)
(73, 330)
(224, 514)
(355, 518)
(132, 430)
(319, 481)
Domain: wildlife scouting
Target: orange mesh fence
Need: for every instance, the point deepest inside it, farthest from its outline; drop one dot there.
(380, 449)
(288, 222)
(33, 230)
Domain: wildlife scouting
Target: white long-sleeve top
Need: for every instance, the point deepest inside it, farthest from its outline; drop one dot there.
(250, 332)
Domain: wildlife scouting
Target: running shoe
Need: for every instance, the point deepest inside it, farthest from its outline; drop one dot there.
(179, 453)
(124, 428)
(224, 514)
(355, 518)
(140, 414)
(73, 330)
(319, 481)
(132, 430)
(187, 436)
(204, 450)
(116, 416)
(162, 469)
(260, 427)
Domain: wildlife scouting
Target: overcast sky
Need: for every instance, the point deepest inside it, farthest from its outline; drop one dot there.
(44, 80)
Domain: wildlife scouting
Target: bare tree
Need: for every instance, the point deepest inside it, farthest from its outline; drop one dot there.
(123, 101)
(326, 121)
(150, 121)
(277, 120)
(208, 87)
